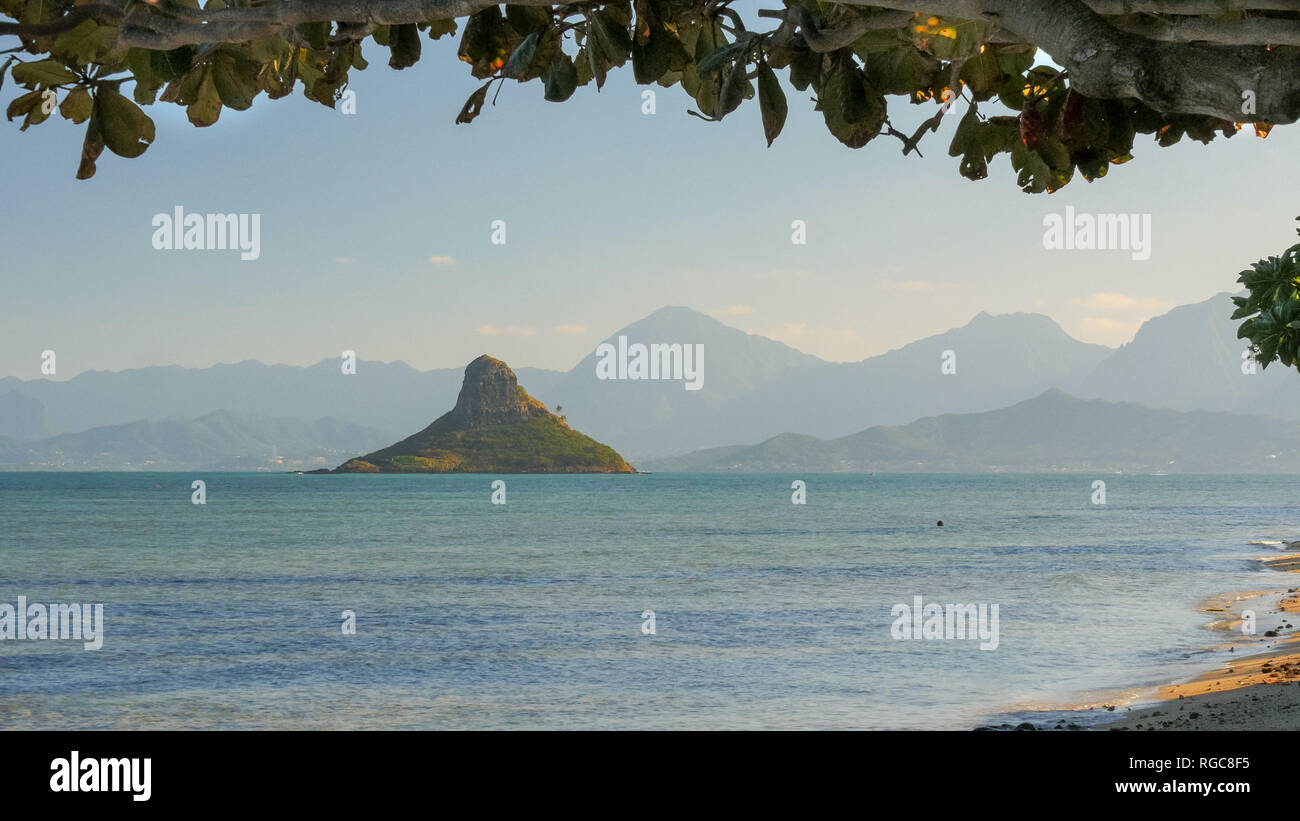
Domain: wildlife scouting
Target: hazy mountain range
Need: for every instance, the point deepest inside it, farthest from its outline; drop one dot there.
(1051, 432)
(223, 440)
(754, 388)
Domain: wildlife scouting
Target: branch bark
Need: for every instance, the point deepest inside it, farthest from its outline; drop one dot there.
(1174, 78)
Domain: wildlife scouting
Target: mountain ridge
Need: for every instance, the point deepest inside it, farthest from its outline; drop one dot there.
(1052, 432)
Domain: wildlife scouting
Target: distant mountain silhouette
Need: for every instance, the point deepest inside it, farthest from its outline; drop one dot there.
(755, 387)
(390, 396)
(495, 427)
(661, 416)
(22, 417)
(223, 440)
(1051, 432)
(1191, 359)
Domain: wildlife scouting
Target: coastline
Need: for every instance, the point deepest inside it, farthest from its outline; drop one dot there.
(1256, 685)
(1260, 691)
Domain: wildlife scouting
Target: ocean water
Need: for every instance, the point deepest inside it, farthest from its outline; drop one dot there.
(530, 614)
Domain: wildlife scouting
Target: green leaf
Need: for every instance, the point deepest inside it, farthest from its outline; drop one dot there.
(583, 66)
(235, 78)
(205, 106)
(317, 35)
(608, 44)
(853, 112)
(983, 74)
(735, 88)
(85, 44)
(528, 19)
(438, 28)
(560, 79)
(517, 66)
(879, 40)
(44, 72)
(404, 43)
(91, 147)
(21, 106)
(127, 131)
(484, 44)
(77, 106)
(719, 57)
(771, 102)
(805, 69)
(40, 112)
(977, 141)
(900, 70)
(659, 54)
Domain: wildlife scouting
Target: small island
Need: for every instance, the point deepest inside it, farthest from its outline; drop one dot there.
(496, 427)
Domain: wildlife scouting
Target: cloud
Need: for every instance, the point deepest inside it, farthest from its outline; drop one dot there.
(734, 310)
(1114, 302)
(507, 330)
(785, 275)
(345, 260)
(1106, 328)
(907, 285)
(441, 260)
(570, 329)
(837, 344)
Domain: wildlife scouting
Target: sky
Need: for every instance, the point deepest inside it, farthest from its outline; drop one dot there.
(376, 230)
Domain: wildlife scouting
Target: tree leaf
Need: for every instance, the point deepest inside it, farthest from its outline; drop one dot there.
(44, 72)
(85, 44)
(77, 106)
(474, 105)
(853, 112)
(205, 108)
(771, 102)
(517, 66)
(484, 44)
(437, 28)
(734, 89)
(20, 106)
(127, 131)
(91, 148)
(560, 79)
(235, 77)
(404, 43)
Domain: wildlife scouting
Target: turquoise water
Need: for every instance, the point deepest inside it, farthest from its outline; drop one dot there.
(529, 614)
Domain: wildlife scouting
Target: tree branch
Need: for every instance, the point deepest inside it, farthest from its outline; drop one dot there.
(1251, 31)
(1105, 62)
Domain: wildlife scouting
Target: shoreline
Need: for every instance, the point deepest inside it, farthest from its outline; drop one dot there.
(1258, 691)
(1254, 686)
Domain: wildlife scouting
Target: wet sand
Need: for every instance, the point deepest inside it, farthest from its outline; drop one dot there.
(1259, 692)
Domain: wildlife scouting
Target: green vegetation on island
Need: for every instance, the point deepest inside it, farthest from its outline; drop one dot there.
(496, 427)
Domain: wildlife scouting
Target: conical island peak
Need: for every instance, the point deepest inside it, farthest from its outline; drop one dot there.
(495, 427)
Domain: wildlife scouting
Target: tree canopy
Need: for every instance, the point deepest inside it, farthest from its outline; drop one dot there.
(1168, 68)
(1063, 87)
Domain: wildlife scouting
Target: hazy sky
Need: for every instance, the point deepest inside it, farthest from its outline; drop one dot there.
(376, 230)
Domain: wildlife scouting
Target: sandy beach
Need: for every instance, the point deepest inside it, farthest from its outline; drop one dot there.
(1259, 692)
